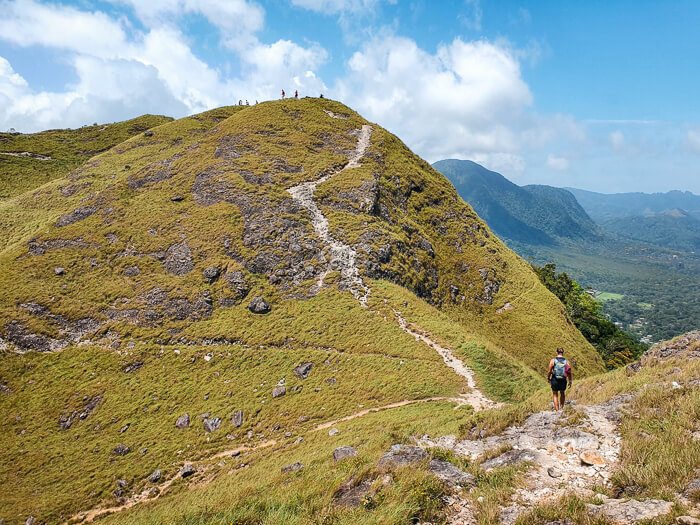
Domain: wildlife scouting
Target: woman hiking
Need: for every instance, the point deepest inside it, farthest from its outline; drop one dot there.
(557, 375)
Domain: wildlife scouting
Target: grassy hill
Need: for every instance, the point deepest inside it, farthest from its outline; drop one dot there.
(180, 275)
(29, 160)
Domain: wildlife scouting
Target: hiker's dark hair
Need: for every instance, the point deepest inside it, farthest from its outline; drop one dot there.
(560, 351)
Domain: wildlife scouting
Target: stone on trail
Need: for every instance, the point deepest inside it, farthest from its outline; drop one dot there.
(292, 467)
(631, 511)
(212, 424)
(187, 470)
(279, 391)
(402, 455)
(687, 520)
(258, 305)
(448, 472)
(343, 452)
(512, 457)
(302, 371)
(155, 477)
(237, 418)
(333, 431)
(554, 472)
(591, 457)
(183, 421)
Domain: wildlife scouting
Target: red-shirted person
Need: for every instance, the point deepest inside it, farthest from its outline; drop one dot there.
(557, 375)
(283, 94)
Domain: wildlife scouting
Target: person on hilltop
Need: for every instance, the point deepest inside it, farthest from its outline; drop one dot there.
(558, 373)
(296, 94)
(283, 94)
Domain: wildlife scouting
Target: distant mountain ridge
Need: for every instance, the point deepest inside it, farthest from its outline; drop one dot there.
(603, 206)
(535, 214)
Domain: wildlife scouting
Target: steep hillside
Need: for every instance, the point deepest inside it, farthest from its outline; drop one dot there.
(29, 160)
(539, 215)
(675, 229)
(268, 272)
(602, 206)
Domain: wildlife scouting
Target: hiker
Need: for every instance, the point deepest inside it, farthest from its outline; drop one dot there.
(283, 94)
(296, 94)
(247, 103)
(557, 375)
(321, 95)
(240, 102)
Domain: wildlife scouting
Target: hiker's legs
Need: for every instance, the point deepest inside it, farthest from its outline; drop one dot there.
(555, 399)
(562, 398)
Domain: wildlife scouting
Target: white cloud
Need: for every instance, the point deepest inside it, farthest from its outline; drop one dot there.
(27, 23)
(617, 140)
(467, 100)
(122, 72)
(557, 163)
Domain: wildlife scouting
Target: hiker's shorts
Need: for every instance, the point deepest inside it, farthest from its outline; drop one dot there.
(558, 385)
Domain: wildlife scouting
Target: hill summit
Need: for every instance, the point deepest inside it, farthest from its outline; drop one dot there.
(173, 232)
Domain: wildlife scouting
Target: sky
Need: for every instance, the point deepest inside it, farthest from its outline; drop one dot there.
(596, 95)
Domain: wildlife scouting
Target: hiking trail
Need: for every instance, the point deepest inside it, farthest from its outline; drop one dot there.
(343, 257)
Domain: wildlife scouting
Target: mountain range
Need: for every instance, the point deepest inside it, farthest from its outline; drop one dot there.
(646, 262)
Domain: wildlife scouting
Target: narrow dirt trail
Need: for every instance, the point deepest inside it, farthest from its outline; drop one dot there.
(156, 491)
(343, 257)
(474, 397)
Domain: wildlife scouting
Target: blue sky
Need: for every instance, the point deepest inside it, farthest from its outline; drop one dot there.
(596, 95)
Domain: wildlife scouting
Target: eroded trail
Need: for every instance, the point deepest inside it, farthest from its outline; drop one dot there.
(342, 257)
(474, 397)
(565, 458)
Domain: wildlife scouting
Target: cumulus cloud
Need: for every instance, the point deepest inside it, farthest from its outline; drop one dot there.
(468, 100)
(123, 72)
(557, 163)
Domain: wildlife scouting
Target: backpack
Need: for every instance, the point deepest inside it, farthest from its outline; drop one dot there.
(559, 370)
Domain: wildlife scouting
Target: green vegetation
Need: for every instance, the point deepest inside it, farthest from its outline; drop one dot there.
(608, 296)
(615, 346)
(66, 149)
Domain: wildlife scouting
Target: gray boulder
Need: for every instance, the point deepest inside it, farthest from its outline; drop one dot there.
(121, 450)
(187, 470)
(402, 455)
(512, 457)
(450, 473)
(178, 259)
(292, 467)
(343, 452)
(155, 477)
(211, 274)
(237, 418)
(302, 371)
(258, 305)
(211, 424)
(183, 421)
(279, 391)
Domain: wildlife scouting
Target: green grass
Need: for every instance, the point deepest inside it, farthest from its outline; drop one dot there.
(68, 149)
(609, 296)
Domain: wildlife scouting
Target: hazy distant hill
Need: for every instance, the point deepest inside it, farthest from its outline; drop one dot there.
(602, 206)
(539, 215)
(676, 229)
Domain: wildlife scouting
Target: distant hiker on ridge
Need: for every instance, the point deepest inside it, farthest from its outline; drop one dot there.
(557, 374)
(296, 94)
(283, 94)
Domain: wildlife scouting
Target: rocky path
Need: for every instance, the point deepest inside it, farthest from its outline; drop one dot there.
(343, 257)
(565, 458)
(474, 397)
